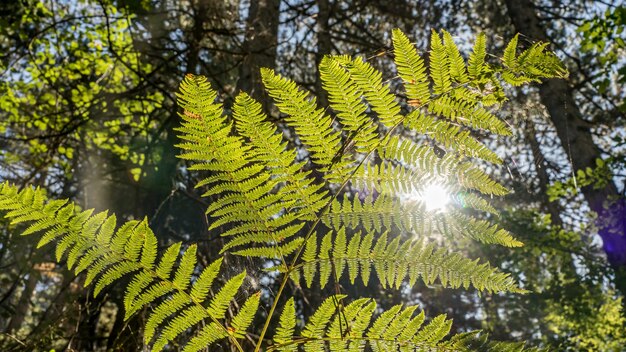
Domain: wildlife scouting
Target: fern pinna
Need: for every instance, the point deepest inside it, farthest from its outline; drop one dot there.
(268, 203)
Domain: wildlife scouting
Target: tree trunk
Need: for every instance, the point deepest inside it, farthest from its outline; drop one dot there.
(259, 45)
(577, 140)
(324, 46)
(541, 168)
(17, 319)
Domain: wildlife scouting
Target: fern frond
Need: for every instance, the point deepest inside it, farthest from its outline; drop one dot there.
(458, 72)
(167, 261)
(468, 114)
(186, 268)
(244, 176)
(267, 146)
(483, 231)
(317, 323)
(472, 177)
(439, 65)
(532, 65)
(186, 319)
(206, 337)
(108, 255)
(222, 299)
(395, 261)
(410, 67)
(201, 287)
(479, 341)
(386, 178)
(336, 326)
(286, 326)
(509, 56)
(345, 97)
(436, 330)
(244, 317)
(476, 64)
(370, 82)
(339, 326)
(474, 201)
(450, 136)
(425, 164)
(206, 132)
(313, 127)
(283, 249)
(377, 214)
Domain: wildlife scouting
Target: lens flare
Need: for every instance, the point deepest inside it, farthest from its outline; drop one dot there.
(435, 197)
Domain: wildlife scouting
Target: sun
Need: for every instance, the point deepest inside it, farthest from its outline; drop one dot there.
(435, 197)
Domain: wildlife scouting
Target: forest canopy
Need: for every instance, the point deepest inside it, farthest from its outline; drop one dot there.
(308, 175)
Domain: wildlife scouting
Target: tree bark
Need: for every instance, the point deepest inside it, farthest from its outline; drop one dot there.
(259, 45)
(576, 138)
(541, 168)
(17, 319)
(324, 47)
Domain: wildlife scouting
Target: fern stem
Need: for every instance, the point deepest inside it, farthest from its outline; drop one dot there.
(283, 284)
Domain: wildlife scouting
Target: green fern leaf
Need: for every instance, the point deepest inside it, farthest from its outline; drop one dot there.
(183, 321)
(345, 99)
(185, 268)
(164, 310)
(243, 319)
(287, 323)
(458, 71)
(205, 338)
(122, 235)
(324, 254)
(113, 274)
(509, 57)
(450, 136)
(370, 82)
(311, 124)
(310, 251)
(62, 217)
(439, 65)
(411, 68)
(106, 231)
(138, 284)
(268, 148)
(44, 223)
(222, 299)
(381, 324)
(436, 330)
(480, 230)
(148, 296)
(74, 227)
(167, 261)
(316, 325)
(200, 288)
(149, 247)
(394, 261)
(476, 63)
(340, 326)
(272, 252)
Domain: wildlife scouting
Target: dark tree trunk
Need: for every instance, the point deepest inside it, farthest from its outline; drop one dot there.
(259, 46)
(324, 46)
(576, 138)
(551, 208)
(17, 319)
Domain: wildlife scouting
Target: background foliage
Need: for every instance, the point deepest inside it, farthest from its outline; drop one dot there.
(88, 113)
